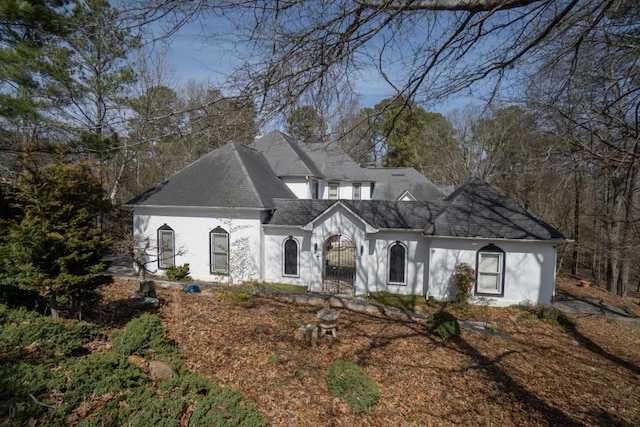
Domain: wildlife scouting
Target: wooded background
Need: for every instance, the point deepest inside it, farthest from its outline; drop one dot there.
(555, 127)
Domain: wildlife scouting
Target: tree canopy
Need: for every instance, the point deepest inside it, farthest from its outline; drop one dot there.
(55, 245)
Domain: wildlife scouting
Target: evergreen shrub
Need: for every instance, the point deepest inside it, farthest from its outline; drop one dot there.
(349, 381)
(143, 335)
(444, 324)
(179, 273)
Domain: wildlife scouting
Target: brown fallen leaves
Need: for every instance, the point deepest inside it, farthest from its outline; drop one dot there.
(542, 375)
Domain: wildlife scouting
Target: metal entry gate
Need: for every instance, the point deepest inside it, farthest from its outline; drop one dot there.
(340, 265)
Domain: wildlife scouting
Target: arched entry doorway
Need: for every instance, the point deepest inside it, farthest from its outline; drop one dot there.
(339, 265)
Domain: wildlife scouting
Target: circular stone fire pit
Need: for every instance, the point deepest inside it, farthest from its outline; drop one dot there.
(328, 321)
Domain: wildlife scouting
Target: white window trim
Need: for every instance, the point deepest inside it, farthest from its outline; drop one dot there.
(161, 261)
(284, 258)
(353, 188)
(491, 250)
(406, 262)
(407, 194)
(337, 185)
(219, 232)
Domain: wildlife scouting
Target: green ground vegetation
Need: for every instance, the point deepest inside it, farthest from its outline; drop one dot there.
(49, 376)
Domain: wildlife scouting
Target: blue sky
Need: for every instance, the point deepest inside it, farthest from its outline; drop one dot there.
(192, 56)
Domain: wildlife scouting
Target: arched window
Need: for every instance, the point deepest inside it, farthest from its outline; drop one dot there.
(490, 268)
(290, 267)
(166, 247)
(397, 263)
(219, 248)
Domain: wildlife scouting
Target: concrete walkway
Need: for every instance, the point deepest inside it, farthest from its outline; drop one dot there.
(593, 306)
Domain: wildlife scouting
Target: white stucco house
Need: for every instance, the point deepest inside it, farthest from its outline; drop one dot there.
(307, 215)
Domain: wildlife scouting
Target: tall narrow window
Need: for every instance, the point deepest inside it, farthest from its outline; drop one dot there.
(166, 247)
(314, 189)
(397, 263)
(219, 245)
(290, 257)
(356, 191)
(334, 190)
(490, 271)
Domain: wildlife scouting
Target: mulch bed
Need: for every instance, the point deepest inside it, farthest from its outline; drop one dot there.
(541, 375)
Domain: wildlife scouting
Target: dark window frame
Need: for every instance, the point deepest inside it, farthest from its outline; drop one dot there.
(502, 259)
(163, 264)
(218, 231)
(392, 270)
(287, 257)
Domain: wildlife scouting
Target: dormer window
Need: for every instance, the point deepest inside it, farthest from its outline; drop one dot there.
(334, 191)
(356, 191)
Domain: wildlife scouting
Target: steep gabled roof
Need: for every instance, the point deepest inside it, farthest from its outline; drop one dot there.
(478, 209)
(231, 176)
(325, 161)
(392, 183)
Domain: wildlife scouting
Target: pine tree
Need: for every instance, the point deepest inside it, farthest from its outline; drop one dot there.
(55, 244)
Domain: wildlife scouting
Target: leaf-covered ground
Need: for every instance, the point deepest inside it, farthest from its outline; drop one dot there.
(542, 374)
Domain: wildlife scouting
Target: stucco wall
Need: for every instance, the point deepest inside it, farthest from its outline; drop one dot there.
(377, 255)
(371, 254)
(191, 229)
(298, 185)
(257, 253)
(273, 256)
(529, 269)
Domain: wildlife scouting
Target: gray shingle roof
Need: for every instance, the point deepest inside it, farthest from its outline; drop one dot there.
(479, 210)
(284, 155)
(475, 210)
(326, 161)
(333, 162)
(377, 213)
(391, 183)
(230, 176)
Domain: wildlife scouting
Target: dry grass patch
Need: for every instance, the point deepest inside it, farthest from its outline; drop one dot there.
(542, 375)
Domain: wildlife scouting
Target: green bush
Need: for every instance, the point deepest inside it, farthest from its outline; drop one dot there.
(444, 324)
(178, 273)
(15, 296)
(102, 373)
(214, 405)
(349, 381)
(18, 381)
(140, 407)
(44, 336)
(143, 336)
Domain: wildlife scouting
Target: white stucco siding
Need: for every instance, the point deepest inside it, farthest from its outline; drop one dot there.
(345, 190)
(377, 257)
(338, 221)
(191, 230)
(273, 256)
(529, 269)
(298, 186)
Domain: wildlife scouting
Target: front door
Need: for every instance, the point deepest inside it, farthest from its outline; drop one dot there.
(339, 265)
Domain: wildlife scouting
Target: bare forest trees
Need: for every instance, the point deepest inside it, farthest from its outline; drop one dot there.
(591, 100)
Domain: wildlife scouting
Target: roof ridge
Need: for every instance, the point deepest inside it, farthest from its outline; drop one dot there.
(246, 172)
(302, 155)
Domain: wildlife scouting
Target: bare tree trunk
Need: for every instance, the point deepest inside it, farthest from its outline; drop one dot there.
(576, 221)
(53, 305)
